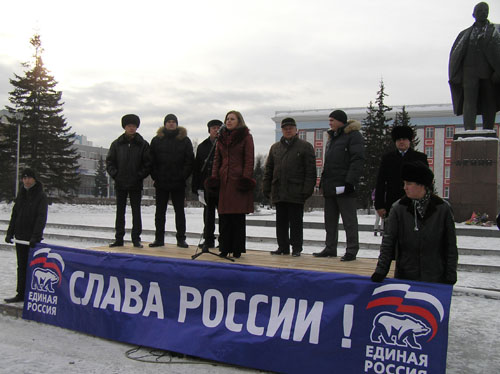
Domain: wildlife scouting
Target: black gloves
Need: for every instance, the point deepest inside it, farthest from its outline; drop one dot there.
(349, 188)
(8, 239)
(378, 277)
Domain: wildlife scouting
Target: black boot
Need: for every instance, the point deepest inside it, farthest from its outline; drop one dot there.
(325, 253)
(137, 244)
(156, 243)
(14, 299)
(182, 244)
(116, 243)
(281, 251)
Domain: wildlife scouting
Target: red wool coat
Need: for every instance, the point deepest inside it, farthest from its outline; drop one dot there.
(233, 171)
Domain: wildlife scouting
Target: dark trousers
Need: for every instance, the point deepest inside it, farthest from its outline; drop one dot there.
(209, 219)
(484, 90)
(232, 233)
(121, 204)
(289, 226)
(162, 197)
(22, 252)
(344, 206)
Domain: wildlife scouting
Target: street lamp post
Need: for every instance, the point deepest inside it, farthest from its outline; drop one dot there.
(18, 154)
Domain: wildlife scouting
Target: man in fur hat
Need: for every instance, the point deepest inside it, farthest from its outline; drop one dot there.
(420, 235)
(27, 223)
(172, 163)
(128, 164)
(344, 160)
(389, 187)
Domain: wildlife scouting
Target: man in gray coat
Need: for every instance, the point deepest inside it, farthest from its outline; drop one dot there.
(289, 179)
(344, 160)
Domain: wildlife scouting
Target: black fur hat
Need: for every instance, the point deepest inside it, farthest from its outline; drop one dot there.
(339, 115)
(417, 172)
(402, 132)
(130, 119)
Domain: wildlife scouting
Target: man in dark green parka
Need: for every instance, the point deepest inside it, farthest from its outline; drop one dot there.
(289, 179)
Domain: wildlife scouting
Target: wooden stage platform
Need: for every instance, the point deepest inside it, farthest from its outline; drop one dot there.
(361, 266)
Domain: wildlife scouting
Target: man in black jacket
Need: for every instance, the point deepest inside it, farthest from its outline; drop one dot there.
(389, 187)
(27, 223)
(344, 161)
(201, 171)
(128, 164)
(172, 163)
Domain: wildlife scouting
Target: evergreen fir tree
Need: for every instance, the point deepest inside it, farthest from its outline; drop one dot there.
(403, 119)
(258, 174)
(101, 179)
(377, 141)
(8, 151)
(46, 142)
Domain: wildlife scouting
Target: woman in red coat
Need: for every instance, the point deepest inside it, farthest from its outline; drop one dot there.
(232, 172)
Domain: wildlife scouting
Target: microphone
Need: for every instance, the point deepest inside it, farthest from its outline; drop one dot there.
(220, 129)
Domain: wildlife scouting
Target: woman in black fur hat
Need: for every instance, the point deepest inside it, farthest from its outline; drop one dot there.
(420, 234)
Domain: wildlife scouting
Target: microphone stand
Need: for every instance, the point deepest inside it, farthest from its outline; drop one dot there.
(203, 168)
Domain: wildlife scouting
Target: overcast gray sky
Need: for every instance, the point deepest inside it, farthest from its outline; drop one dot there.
(200, 59)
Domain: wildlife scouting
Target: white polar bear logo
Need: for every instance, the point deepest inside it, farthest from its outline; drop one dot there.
(400, 330)
(43, 280)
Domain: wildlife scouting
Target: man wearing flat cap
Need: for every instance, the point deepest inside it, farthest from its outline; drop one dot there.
(344, 162)
(202, 170)
(128, 164)
(289, 180)
(389, 186)
(420, 235)
(27, 223)
(172, 163)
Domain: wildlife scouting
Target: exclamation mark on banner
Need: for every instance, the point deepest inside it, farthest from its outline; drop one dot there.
(348, 319)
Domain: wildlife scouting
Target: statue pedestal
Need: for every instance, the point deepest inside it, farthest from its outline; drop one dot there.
(475, 176)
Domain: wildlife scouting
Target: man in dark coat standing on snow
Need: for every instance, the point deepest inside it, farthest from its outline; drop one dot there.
(128, 164)
(201, 171)
(474, 70)
(172, 163)
(27, 223)
(289, 180)
(344, 161)
(389, 187)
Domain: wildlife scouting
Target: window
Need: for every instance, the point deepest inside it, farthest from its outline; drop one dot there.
(447, 172)
(319, 134)
(319, 169)
(83, 154)
(450, 131)
(446, 192)
(319, 153)
(429, 151)
(429, 132)
(447, 151)
(302, 135)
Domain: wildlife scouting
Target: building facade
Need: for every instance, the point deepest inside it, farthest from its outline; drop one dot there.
(435, 126)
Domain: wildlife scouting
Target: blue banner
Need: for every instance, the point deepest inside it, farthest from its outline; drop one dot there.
(282, 320)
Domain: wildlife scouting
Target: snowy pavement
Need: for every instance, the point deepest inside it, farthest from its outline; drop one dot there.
(27, 346)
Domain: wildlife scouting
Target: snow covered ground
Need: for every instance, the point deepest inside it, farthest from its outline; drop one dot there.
(26, 346)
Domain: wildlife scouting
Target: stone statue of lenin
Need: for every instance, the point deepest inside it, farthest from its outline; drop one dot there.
(474, 70)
